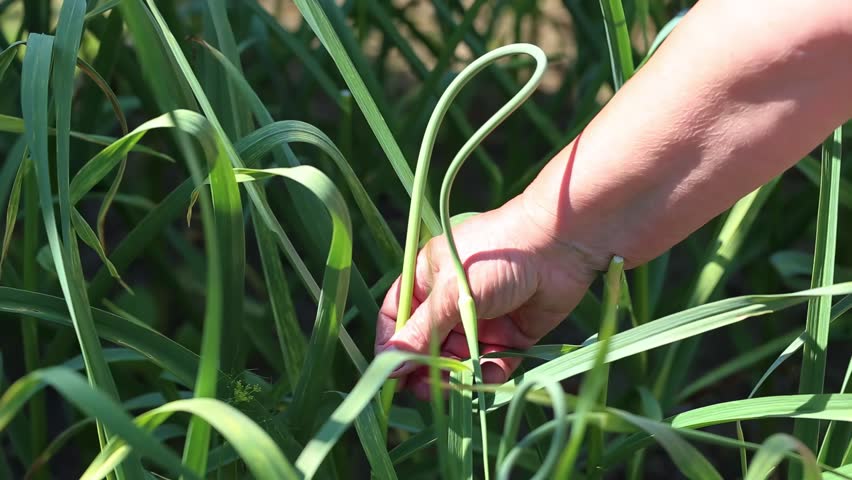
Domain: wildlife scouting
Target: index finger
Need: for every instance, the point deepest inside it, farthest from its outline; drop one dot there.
(386, 323)
(424, 272)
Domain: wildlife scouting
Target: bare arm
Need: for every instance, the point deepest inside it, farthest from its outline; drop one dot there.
(737, 94)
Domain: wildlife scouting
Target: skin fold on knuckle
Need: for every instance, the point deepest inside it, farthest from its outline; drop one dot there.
(499, 284)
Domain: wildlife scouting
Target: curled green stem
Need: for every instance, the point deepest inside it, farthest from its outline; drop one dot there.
(467, 305)
(508, 454)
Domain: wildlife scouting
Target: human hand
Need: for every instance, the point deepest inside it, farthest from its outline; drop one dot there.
(523, 283)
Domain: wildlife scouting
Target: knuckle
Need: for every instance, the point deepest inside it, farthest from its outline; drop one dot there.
(418, 338)
(430, 256)
(448, 308)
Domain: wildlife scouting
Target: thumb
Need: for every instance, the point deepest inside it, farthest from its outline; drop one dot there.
(431, 321)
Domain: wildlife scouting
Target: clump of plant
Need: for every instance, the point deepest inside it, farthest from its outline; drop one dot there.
(244, 392)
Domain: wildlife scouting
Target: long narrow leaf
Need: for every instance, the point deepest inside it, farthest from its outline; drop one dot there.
(260, 453)
(837, 436)
(320, 24)
(812, 377)
(161, 350)
(673, 328)
(332, 302)
(358, 399)
(34, 94)
(94, 404)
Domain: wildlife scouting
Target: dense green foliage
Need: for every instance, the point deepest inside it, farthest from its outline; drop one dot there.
(274, 123)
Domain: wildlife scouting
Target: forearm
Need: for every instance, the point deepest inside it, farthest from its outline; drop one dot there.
(737, 94)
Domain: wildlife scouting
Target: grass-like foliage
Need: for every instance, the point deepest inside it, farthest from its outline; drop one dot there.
(204, 204)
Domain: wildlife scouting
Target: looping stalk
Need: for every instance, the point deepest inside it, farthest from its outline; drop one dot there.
(466, 303)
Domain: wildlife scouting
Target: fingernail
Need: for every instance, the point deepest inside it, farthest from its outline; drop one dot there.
(402, 341)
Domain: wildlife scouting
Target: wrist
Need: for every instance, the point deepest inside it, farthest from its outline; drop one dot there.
(589, 206)
(543, 229)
